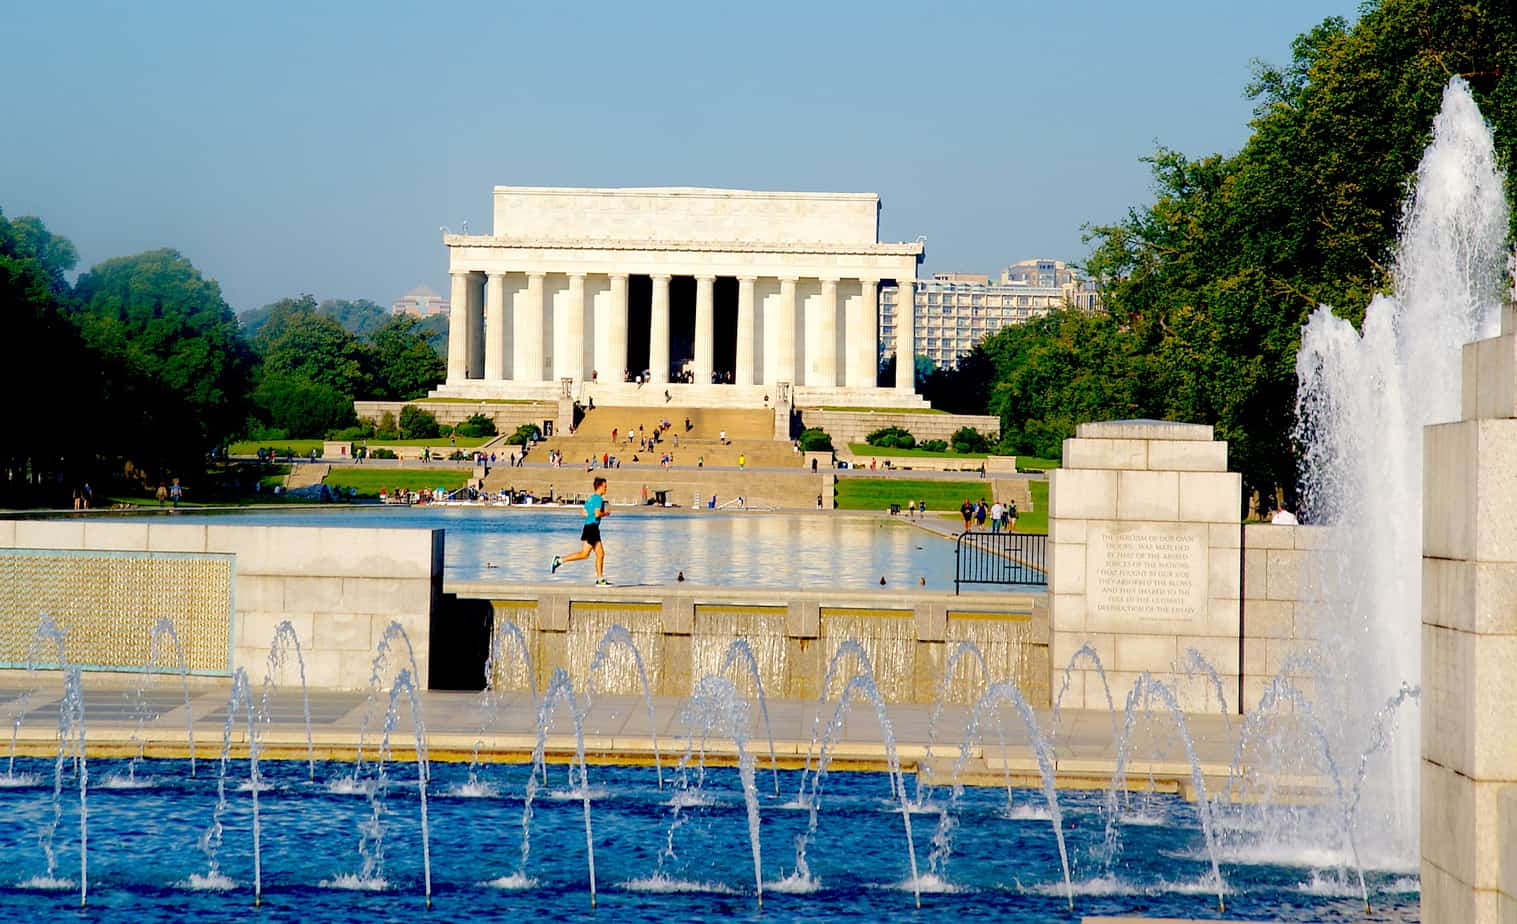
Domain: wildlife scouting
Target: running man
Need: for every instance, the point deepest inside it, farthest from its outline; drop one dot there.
(595, 508)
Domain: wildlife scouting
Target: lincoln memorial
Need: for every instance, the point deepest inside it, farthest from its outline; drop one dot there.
(717, 297)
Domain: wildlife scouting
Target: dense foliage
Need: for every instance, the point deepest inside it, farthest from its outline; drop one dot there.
(815, 439)
(476, 425)
(1208, 286)
(891, 438)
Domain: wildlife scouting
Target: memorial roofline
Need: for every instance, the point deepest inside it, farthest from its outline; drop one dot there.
(911, 248)
(693, 192)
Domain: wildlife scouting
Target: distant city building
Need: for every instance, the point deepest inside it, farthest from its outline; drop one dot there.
(421, 302)
(955, 311)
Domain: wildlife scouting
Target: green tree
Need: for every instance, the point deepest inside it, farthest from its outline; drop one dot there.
(44, 452)
(402, 364)
(170, 360)
(302, 408)
(418, 423)
(295, 341)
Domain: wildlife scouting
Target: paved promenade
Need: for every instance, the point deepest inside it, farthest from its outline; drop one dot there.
(616, 728)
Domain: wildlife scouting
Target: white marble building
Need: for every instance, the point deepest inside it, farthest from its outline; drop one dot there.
(723, 297)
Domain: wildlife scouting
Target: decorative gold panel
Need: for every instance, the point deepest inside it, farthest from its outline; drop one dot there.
(107, 604)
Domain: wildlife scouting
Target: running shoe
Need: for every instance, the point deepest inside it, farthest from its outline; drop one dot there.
(602, 582)
(557, 563)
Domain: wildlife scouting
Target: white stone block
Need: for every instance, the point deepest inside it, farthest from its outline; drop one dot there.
(1282, 574)
(1269, 619)
(1143, 430)
(1496, 378)
(1448, 490)
(1154, 653)
(1220, 653)
(1222, 615)
(123, 536)
(1256, 664)
(1448, 593)
(176, 537)
(1226, 535)
(1268, 536)
(1224, 576)
(1066, 572)
(7, 534)
(1187, 456)
(1148, 496)
(1254, 584)
(1066, 530)
(342, 632)
(49, 534)
(1506, 833)
(1494, 608)
(1212, 497)
(1066, 612)
(1082, 494)
(1495, 498)
(1066, 644)
(315, 593)
(1494, 685)
(1469, 381)
(1107, 454)
(258, 593)
(386, 596)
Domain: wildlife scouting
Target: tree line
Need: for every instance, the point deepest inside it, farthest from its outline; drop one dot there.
(140, 371)
(1208, 286)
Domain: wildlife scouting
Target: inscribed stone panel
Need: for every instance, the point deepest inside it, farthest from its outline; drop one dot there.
(1146, 577)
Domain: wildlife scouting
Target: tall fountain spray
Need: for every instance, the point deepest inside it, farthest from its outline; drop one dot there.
(1363, 401)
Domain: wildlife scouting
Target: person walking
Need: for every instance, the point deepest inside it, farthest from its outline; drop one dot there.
(997, 516)
(966, 510)
(979, 514)
(589, 535)
(1011, 516)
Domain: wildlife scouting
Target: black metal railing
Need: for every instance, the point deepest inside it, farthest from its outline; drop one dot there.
(1000, 558)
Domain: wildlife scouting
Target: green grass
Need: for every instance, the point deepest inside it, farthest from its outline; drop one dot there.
(368, 481)
(880, 493)
(885, 410)
(864, 449)
(296, 447)
(1035, 464)
(1036, 519)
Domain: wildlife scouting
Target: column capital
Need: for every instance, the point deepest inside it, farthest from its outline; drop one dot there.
(577, 277)
(867, 281)
(790, 279)
(497, 274)
(660, 277)
(536, 276)
(748, 279)
(834, 280)
(705, 277)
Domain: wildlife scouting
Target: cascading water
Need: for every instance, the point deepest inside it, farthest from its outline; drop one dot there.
(1362, 403)
(285, 641)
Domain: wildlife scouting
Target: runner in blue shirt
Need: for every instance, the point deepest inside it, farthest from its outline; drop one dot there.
(595, 508)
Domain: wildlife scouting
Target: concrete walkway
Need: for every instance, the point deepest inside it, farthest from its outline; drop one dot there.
(617, 730)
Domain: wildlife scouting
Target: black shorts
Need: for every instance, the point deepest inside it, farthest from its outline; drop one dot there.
(591, 533)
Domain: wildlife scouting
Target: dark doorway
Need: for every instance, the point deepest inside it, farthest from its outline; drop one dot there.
(639, 320)
(724, 329)
(681, 324)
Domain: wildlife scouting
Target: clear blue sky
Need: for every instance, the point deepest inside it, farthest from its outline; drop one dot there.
(318, 146)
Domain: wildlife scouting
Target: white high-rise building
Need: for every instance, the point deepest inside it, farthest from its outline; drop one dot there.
(955, 311)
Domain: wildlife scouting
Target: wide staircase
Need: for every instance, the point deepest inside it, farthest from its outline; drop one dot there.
(750, 434)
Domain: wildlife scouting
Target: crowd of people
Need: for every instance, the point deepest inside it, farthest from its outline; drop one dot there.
(1000, 516)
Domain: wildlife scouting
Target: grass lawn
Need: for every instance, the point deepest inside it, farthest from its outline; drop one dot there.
(864, 449)
(1036, 519)
(1035, 464)
(464, 442)
(295, 447)
(880, 493)
(368, 481)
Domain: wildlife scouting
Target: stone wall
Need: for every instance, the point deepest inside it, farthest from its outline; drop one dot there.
(339, 588)
(1144, 552)
(507, 416)
(683, 632)
(852, 426)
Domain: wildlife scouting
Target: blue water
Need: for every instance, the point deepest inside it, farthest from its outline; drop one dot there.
(732, 550)
(142, 851)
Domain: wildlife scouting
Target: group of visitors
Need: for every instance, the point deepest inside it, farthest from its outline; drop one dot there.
(1001, 516)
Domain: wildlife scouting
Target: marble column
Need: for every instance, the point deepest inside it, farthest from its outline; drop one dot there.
(905, 337)
(458, 328)
(476, 339)
(616, 330)
(658, 331)
(495, 327)
(823, 353)
(862, 361)
(745, 331)
(527, 355)
(784, 361)
(705, 328)
(569, 333)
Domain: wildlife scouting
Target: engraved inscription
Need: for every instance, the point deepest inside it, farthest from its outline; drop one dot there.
(1147, 573)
